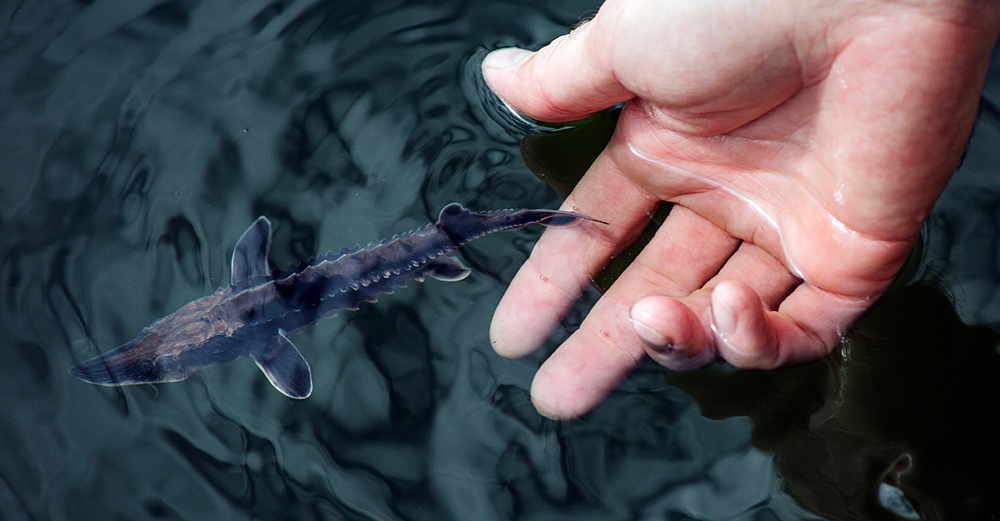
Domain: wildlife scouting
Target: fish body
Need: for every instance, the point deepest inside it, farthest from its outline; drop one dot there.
(254, 315)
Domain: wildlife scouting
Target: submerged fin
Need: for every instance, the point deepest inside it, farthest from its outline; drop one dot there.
(559, 219)
(284, 366)
(251, 252)
(448, 269)
(132, 363)
(463, 226)
(98, 370)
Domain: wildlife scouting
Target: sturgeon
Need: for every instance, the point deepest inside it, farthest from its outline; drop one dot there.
(254, 315)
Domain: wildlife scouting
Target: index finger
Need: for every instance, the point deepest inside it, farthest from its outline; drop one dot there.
(596, 359)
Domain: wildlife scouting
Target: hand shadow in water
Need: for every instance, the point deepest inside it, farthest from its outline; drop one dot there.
(899, 423)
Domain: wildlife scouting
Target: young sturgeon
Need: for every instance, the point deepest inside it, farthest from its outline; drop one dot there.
(253, 316)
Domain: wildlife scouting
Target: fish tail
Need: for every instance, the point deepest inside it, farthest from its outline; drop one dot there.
(464, 226)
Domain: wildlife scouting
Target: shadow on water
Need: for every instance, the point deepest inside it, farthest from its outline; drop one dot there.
(900, 422)
(139, 139)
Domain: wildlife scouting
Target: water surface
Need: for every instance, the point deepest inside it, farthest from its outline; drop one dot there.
(138, 140)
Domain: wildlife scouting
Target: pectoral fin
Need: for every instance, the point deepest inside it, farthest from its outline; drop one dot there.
(251, 252)
(284, 366)
(448, 269)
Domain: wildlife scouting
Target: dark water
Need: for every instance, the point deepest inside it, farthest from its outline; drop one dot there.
(138, 139)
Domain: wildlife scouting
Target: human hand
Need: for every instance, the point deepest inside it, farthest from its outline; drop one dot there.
(804, 144)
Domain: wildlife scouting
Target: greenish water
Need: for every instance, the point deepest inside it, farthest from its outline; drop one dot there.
(139, 139)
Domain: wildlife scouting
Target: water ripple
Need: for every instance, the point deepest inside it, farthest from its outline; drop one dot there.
(140, 138)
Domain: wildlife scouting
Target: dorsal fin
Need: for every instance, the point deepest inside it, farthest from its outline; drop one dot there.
(451, 213)
(251, 252)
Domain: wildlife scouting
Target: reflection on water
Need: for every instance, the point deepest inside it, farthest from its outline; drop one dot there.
(138, 139)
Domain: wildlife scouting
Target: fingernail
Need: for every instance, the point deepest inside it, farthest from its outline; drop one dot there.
(723, 319)
(502, 58)
(651, 337)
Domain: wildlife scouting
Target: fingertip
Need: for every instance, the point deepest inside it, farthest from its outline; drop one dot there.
(561, 393)
(580, 375)
(564, 81)
(551, 404)
(513, 333)
(503, 58)
(670, 333)
(557, 394)
(499, 69)
(531, 308)
(743, 335)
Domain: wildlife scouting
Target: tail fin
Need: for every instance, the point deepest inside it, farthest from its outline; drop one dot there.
(464, 226)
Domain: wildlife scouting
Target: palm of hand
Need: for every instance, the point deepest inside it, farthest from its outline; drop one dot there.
(810, 170)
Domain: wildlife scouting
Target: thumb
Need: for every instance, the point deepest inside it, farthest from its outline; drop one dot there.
(568, 79)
